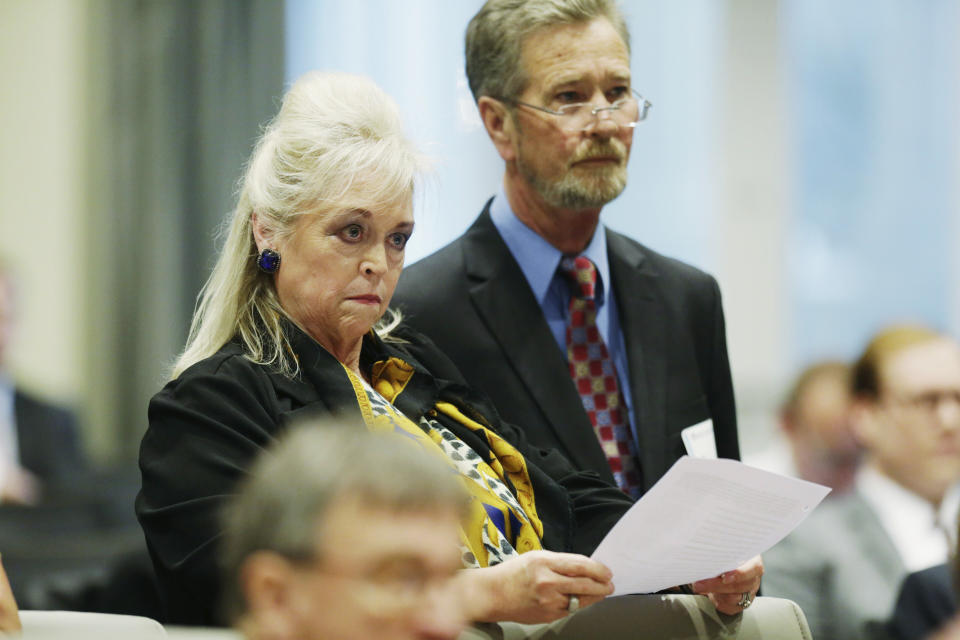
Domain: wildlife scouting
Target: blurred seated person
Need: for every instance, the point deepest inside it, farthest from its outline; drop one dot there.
(294, 322)
(844, 565)
(9, 614)
(315, 546)
(38, 441)
(925, 604)
(815, 441)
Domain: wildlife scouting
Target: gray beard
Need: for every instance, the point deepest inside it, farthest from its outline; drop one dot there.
(574, 191)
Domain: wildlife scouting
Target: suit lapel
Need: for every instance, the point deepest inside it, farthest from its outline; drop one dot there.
(642, 321)
(504, 302)
(874, 539)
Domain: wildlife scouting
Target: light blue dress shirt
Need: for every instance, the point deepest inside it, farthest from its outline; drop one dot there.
(538, 260)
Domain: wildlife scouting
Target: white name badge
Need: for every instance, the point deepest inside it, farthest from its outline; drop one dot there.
(699, 441)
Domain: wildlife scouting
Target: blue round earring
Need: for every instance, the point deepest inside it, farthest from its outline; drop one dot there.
(269, 261)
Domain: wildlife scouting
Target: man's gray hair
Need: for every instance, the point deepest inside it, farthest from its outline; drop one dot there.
(497, 32)
(282, 502)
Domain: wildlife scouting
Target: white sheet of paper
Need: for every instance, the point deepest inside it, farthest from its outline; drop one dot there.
(703, 517)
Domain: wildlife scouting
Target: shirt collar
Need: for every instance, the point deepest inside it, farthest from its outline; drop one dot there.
(949, 513)
(909, 519)
(889, 496)
(538, 259)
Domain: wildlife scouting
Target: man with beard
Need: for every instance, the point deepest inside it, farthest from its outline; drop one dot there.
(589, 341)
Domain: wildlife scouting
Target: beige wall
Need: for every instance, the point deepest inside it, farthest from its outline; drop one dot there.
(41, 190)
(73, 208)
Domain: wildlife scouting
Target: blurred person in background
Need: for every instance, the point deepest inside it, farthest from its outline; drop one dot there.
(316, 546)
(78, 546)
(815, 440)
(844, 565)
(926, 603)
(38, 441)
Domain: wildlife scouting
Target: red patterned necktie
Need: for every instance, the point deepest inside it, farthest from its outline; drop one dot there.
(595, 377)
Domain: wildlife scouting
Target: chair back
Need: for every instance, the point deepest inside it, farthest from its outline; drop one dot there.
(202, 633)
(45, 625)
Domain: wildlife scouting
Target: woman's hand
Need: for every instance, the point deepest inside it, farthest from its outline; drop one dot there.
(535, 587)
(730, 590)
(9, 616)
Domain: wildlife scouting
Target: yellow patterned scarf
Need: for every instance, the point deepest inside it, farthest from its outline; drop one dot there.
(494, 515)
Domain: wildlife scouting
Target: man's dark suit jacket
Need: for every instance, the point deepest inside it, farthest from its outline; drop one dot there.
(47, 438)
(926, 603)
(472, 299)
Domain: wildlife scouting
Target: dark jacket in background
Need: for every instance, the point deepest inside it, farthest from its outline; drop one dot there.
(48, 439)
(926, 602)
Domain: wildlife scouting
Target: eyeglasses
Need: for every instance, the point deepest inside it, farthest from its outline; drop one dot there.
(394, 588)
(929, 403)
(625, 112)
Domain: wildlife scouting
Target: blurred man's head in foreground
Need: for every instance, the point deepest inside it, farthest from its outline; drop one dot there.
(341, 534)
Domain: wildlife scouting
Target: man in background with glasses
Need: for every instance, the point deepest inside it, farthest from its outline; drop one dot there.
(844, 565)
(589, 341)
